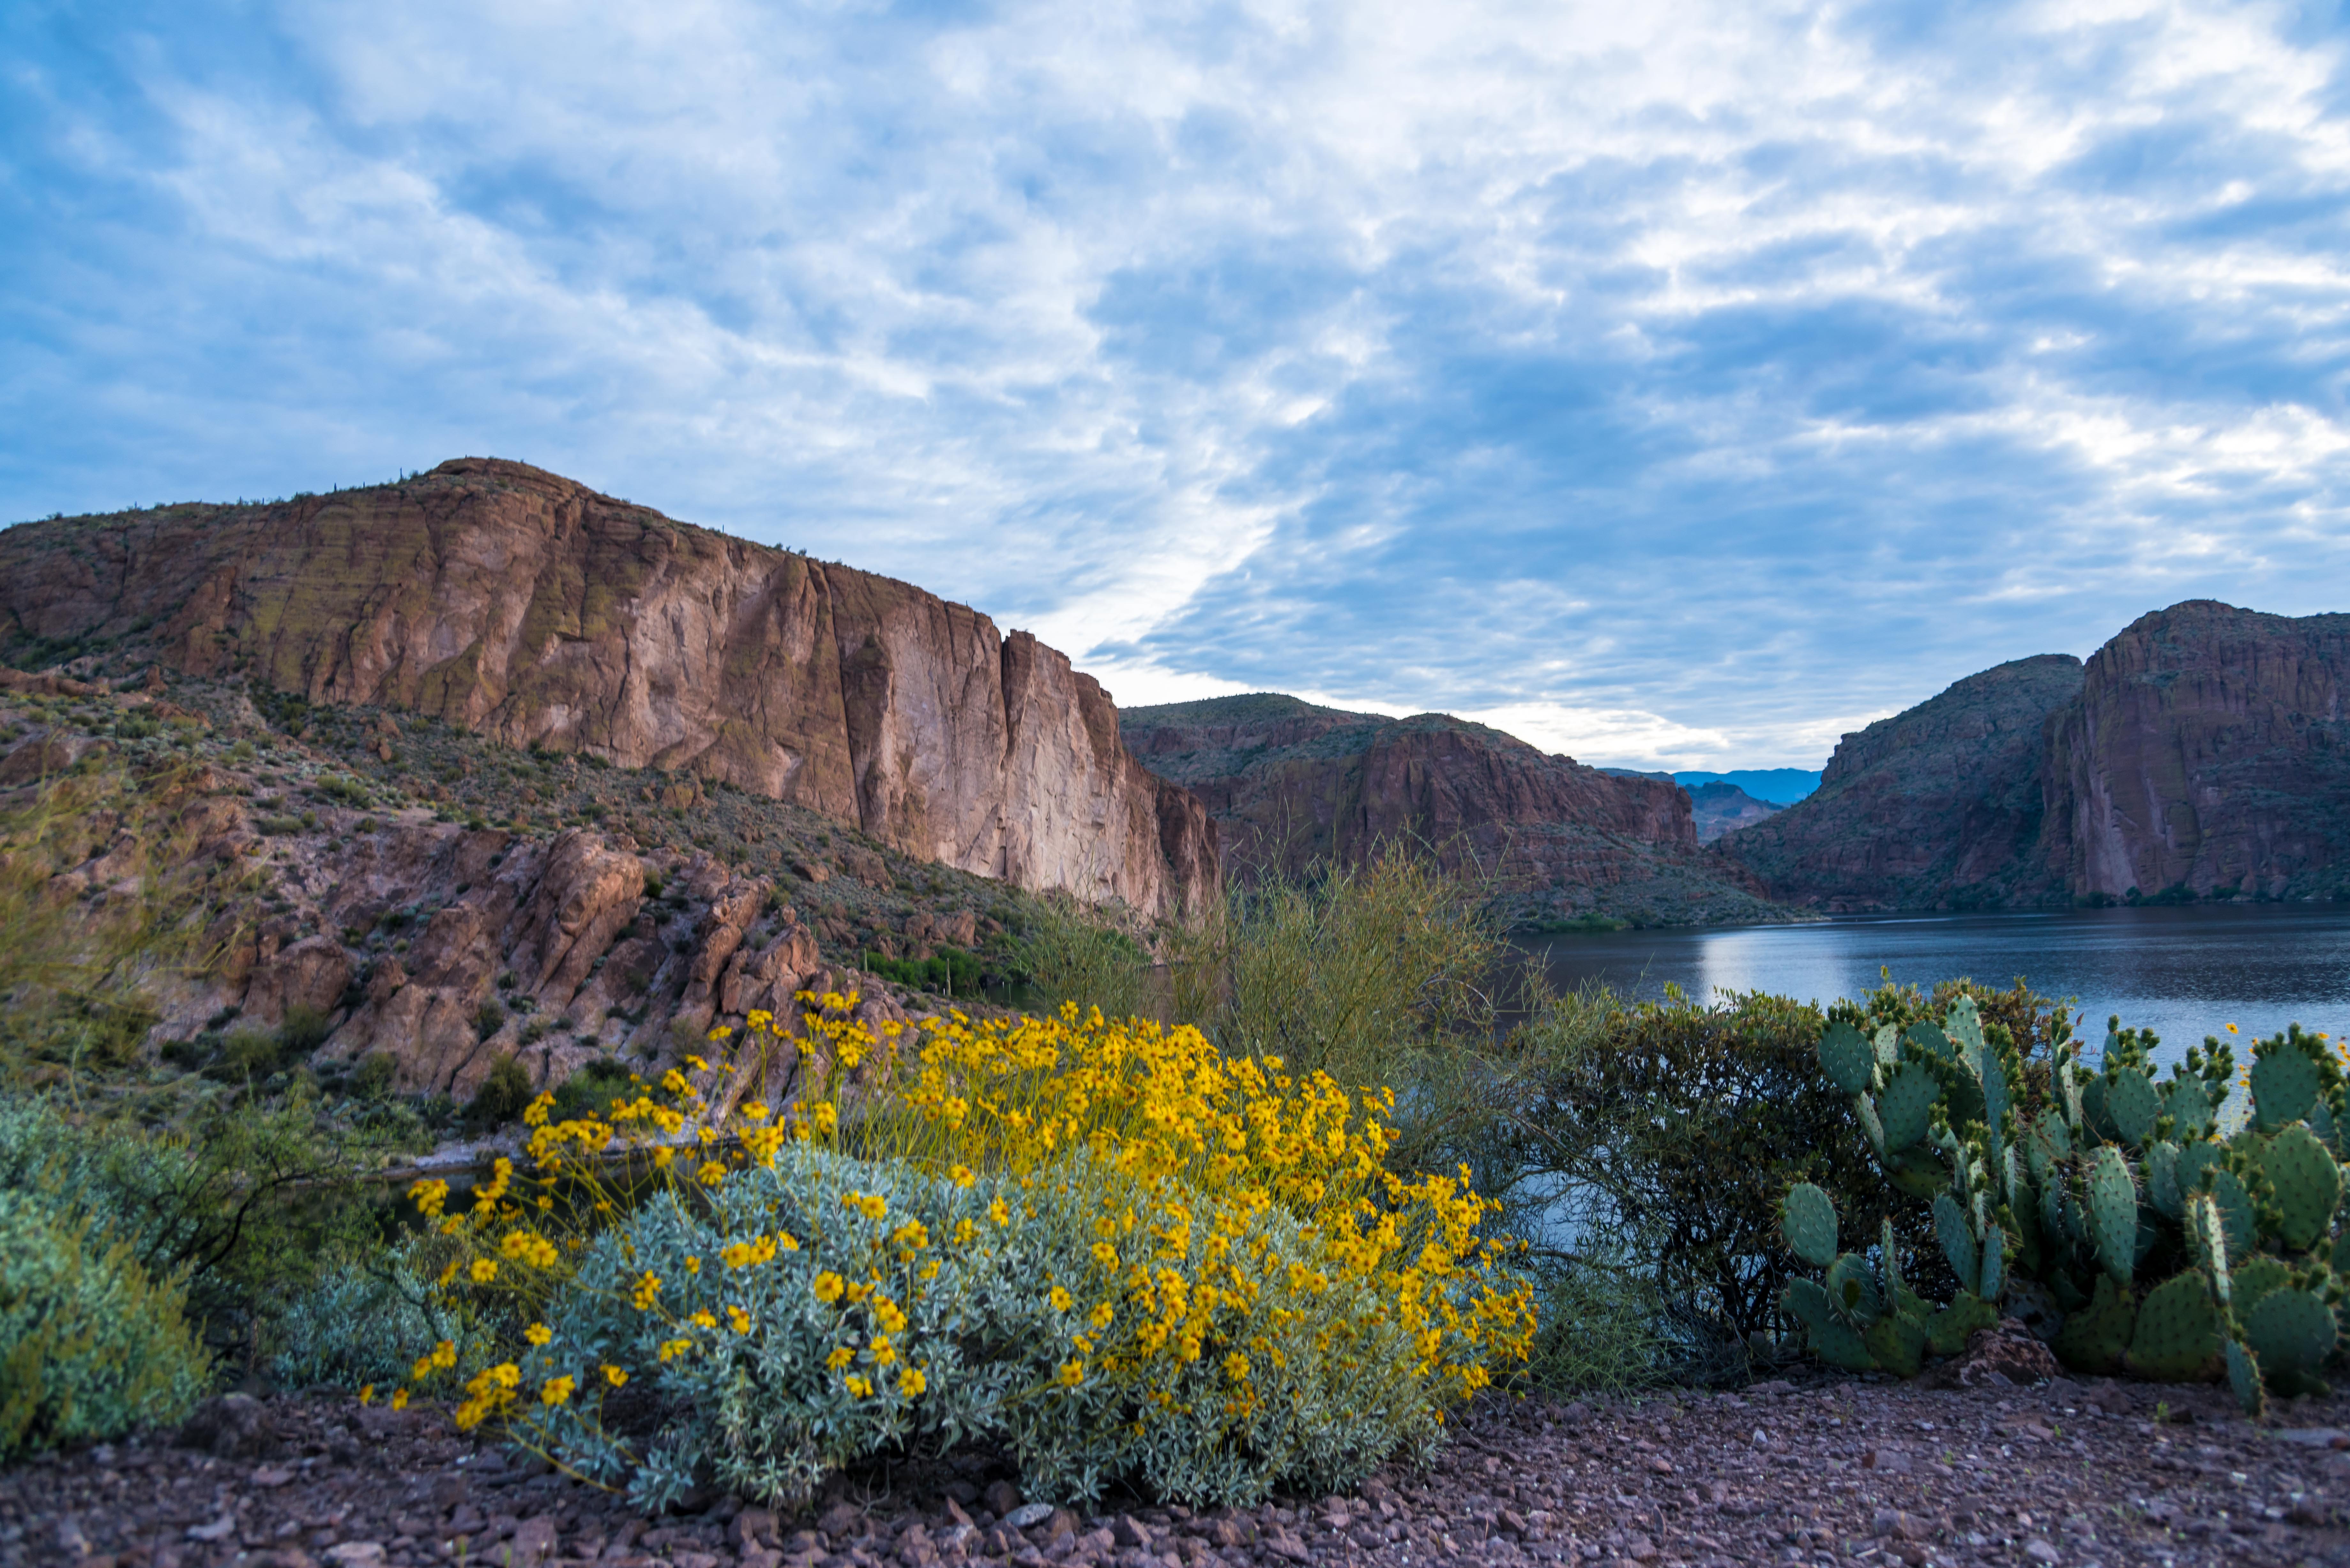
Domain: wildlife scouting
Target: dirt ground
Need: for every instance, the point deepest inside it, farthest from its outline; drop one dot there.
(1834, 1470)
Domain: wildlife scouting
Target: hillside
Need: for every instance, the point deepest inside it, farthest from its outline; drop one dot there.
(527, 608)
(1287, 782)
(1721, 807)
(2200, 753)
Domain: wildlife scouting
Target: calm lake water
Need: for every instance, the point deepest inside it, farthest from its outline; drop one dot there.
(2183, 972)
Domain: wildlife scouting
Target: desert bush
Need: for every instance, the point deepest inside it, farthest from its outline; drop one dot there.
(502, 1097)
(354, 1326)
(1131, 1259)
(90, 1345)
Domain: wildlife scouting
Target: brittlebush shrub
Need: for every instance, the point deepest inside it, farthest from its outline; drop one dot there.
(1126, 1257)
(90, 1346)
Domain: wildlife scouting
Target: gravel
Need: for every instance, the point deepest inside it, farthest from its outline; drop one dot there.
(1834, 1470)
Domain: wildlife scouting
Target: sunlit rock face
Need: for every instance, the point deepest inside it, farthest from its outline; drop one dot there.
(532, 609)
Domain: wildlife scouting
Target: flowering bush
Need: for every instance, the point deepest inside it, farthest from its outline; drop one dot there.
(1102, 1244)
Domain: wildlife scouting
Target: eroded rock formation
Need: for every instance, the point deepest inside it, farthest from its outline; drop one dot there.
(1937, 806)
(2200, 753)
(535, 611)
(1287, 783)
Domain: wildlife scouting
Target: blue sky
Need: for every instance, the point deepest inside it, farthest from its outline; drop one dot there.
(1673, 385)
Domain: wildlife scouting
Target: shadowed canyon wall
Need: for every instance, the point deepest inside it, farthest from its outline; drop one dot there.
(1288, 783)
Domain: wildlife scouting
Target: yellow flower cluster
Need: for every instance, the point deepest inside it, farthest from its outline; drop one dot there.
(1196, 1174)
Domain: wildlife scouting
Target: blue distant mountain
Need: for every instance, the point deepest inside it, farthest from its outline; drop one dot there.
(1780, 787)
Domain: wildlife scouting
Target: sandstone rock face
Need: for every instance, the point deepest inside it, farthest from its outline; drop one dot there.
(2209, 754)
(2200, 753)
(518, 604)
(1936, 807)
(1288, 783)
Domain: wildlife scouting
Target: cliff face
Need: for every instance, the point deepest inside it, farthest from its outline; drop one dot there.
(2208, 755)
(1940, 807)
(2202, 753)
(531, 610)
(1287, 782)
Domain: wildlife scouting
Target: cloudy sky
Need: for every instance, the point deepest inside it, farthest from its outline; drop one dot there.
(1672, 385)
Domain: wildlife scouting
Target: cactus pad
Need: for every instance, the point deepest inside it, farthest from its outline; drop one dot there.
(1907, 1103)
(2096, 1338)
(1948, 1330)
(1808, 1219)
(2132, 1105)
(2178, 1335)
(2244, 1380)
(2207, 1234)
(1846, 1059)
(1992, 1277)
(1923, 1036)
(1887, 1045)
(2111, 1203)
(2235, 1211)
(1958, 1239)
(2284, 1085)
(2162, 1190)
(1833, 1341)
(1916, 1171)
(2321, 1122)
(1852, 1291)
(1964, 1028)
(2184, 1101)
(1897, 1343)
(2257, 1277)
(2308, 1185)
(2292, 1332)
(1998, 1094)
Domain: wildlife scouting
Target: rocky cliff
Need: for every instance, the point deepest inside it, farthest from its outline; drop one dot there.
(2206, 756)
(1939, 806)
(2201, 754)
(1287, 782)
(538, 613)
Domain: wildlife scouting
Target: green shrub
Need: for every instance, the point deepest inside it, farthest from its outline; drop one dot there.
(361, 1320)
(1668, 1134)
(950, 971)
(90, 1346)
(501, 1098)
(591, 1089)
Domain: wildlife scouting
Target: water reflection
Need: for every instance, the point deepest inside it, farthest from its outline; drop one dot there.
(2183, 972)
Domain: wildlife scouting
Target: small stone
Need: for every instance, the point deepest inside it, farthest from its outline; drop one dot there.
(220, 1529)
(1661, 1465)
(843, 1521)
(356, 1554)
(1027, 1516)
(532, 1542)
(269, 1476)
(1001, 1497)
(2039, 1551)
(1131, 1531)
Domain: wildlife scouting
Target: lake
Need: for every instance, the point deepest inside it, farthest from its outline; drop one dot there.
(2183, 973)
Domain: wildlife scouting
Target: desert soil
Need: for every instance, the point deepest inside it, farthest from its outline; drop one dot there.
(1833, 1470)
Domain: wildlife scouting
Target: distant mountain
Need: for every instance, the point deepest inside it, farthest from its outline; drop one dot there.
(1779, 786)
(1286, 782)
(2203, 753)
(1723, 807)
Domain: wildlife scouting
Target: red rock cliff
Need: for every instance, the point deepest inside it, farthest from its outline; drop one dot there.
(518, 604)
(1289, 782)
(2208, 755)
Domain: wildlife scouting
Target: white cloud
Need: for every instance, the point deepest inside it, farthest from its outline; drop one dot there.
(1646, 381)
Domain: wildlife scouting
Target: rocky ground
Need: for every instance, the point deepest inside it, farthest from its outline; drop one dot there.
(1830, 1471)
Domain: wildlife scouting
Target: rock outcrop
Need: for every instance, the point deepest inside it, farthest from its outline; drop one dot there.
(1288, 783)
(2200, 753)
(2208, 756)
(1723, 807)
(533, 610)
(1940, 807)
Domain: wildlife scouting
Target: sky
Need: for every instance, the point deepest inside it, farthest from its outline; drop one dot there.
(1672, 385)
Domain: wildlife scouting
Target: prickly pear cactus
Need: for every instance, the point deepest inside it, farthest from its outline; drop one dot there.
(2244, 1380)
(1807, 1218)
(2105, 1203)
(2112, 1204)
(2179, 1326)
(2308, 1185)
